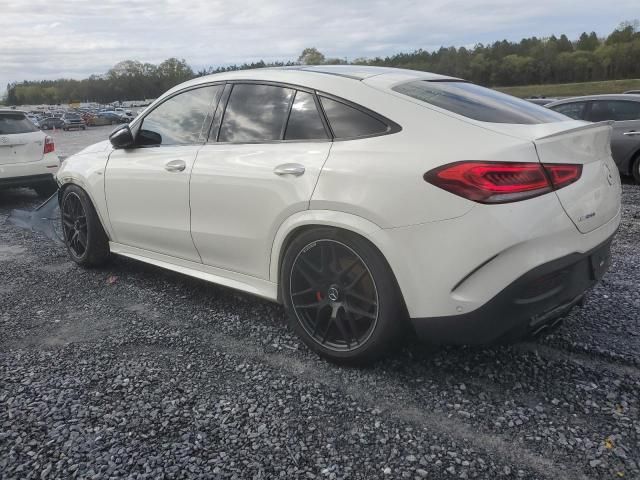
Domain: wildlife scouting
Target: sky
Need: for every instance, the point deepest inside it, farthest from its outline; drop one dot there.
(50, 39)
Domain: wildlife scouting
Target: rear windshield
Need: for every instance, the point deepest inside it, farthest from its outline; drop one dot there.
(15, 123)
(478, 103)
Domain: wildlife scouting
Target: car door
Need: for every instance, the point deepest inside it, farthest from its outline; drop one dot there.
(147, 187)
(260, 166)
(625, 138)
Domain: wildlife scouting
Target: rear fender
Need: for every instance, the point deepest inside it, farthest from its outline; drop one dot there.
(325, 218)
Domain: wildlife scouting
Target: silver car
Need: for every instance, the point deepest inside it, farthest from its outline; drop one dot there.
(624, 110)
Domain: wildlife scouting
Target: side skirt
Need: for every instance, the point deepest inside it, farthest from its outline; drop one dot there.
(238, 281)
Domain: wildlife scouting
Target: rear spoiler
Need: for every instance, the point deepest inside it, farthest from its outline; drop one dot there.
(587, 126)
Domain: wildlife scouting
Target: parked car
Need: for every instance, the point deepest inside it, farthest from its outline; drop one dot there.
(362, 198)
(540, 100)
(33, 119)
(50, 123)
(624, 110)
(73, 120)
(27, 155)
(632, 92)
(105, 118)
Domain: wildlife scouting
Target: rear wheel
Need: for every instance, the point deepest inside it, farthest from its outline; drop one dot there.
(84, 237)
(341, 296)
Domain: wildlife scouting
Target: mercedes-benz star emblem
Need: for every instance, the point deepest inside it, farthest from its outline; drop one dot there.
(333, 294)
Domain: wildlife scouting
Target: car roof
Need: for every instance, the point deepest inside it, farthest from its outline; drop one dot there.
(315, 76)
(361, 72)
(614, 96)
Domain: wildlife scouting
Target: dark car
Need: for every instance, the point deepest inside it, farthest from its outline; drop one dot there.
(541, 100)
(625, 111)
(50, 123)
(73, 120)
(105, 118)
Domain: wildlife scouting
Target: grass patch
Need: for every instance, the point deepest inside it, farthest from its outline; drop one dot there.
(573, 89)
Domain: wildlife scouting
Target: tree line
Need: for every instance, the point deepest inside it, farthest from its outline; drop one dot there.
(503, 63)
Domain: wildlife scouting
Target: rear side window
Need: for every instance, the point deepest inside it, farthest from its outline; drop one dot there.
(180, 119)
(618, 110)
(349, 122)
(305, 122)
(15, 123)
(255, 113)
(572, 110)
(478, 103)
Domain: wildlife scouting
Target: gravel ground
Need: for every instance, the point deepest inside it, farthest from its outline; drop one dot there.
(130, 371)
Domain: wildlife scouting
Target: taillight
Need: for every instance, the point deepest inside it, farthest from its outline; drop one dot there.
(49, 146)
(562, 174)
(502, 182)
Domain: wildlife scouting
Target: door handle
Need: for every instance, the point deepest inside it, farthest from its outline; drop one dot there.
(294, 169)
(631, 133)
(175, 166)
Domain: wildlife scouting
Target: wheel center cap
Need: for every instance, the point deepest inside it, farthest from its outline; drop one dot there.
(333, 293)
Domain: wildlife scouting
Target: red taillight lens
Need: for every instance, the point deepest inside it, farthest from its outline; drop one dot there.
(49, 146)
(502, 182)
(562, 174)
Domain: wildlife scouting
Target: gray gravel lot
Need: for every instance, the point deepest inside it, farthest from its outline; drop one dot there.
(134, 372)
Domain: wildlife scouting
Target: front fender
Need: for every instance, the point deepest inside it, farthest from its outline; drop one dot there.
(87, 171)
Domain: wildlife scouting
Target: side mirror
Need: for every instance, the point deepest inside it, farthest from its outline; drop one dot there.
(148, 138)
(122, 137)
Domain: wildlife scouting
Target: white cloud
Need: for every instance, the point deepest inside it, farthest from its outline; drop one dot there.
(48, 39)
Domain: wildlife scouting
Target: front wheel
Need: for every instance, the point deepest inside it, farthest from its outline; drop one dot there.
(84, 237)
(341, 296)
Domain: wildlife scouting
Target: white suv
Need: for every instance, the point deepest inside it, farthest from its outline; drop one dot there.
(358, 197)
(27, 156)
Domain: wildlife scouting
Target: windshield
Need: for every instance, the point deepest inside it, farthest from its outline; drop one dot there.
(15, 123)
(478, 103)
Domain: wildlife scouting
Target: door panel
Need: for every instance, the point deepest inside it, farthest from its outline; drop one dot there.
(238, 201)
(148, 198)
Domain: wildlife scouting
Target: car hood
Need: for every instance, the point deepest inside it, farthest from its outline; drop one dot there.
(103, 146)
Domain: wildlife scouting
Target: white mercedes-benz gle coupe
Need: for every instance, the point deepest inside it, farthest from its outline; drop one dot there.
(364, 199)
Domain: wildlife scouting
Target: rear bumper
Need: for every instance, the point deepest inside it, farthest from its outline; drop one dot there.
(27, 180)
(527, 305)
(30, 173)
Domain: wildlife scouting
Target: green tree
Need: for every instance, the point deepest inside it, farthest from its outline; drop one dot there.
(311, 56)
(588, 42)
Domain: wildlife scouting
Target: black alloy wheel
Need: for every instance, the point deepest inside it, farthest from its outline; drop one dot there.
(334, 295)
(341, 296)
(74, 225)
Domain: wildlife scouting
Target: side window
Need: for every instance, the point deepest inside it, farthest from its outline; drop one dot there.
(600, 111)
(349, 122)
(305, 122)
(180, 119)
(623, 110)
(573, 110)
(255, 113)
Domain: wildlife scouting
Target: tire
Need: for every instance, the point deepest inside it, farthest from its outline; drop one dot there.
(341, 296)
(75, 204)
(46, 189)
(635, 169)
